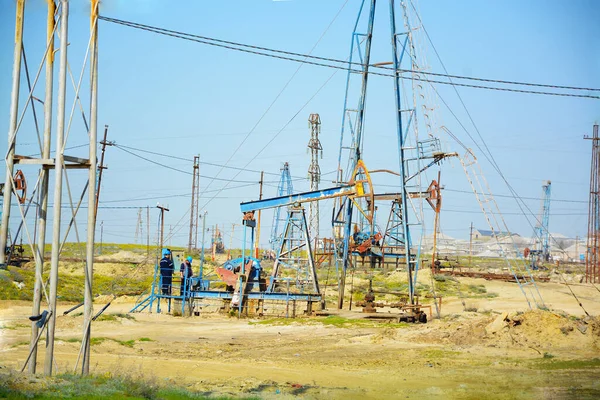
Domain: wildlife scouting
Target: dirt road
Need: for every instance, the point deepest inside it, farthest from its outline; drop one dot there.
(496, 352)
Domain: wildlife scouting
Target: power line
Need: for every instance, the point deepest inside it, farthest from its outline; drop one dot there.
(490, 157)
(175, 195)
(201, 162)
(507, 213)
(180, 170)
(521, 197)
(261, 51)
(277, 97)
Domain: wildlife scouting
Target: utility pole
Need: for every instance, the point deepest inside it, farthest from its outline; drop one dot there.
(213, 243)
(162, 224)
(202, 253)
(194, 207)
(471, 246)
(262, 174)
(101, 167)
(437, 203)
(231, 241)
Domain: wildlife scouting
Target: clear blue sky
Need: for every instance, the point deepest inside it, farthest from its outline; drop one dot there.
(181, 98)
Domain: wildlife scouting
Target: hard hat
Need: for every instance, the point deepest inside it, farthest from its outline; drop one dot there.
(189, 258)
(166, 252)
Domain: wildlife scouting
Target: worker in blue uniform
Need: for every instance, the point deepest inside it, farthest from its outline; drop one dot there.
(166, 271)
(185, 270)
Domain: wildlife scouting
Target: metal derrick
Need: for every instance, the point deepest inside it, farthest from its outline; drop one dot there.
(284, 188)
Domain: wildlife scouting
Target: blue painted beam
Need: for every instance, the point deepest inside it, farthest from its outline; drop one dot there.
(314, 195)
(214, 294)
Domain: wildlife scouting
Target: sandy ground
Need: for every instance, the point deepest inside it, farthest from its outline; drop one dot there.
(493, 353)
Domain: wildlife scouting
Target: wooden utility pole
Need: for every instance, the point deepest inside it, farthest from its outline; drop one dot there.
(230, 241)
(202, 254)
(162, 224)
(192, 244)
(101, 167)
(256, 243)
(437, 203)
(213, 243)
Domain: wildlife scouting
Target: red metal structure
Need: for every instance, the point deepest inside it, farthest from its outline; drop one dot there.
(592, 259)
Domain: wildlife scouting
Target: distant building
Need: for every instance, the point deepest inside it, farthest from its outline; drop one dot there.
(483, 234)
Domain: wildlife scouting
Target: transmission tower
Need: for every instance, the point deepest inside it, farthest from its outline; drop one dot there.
(314, 173)
(284, 188)
(63, 167)
(541, 229)
(592, 259)
(192, 244)
(139, 230)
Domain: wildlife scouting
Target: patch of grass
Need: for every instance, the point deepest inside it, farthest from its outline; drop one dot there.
(71, 286)
(115, 317)
(548, 363)
(275, 321)
(341, 322)
(100, 340)
(126, 343)
(12, 328)
(145, 339)
(437, 353)
(337, 321)
(104, 386)
(97, 340)
(106, 317)
(125, 316)
(70, 340)
(476, 289)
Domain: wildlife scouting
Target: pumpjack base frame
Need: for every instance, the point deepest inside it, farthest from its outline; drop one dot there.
(222, 294)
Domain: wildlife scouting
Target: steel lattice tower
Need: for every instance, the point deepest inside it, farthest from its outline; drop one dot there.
(314, 173)
(541, 229)
(284, 188)
(193, 241)
(592, 259)
(139, 231)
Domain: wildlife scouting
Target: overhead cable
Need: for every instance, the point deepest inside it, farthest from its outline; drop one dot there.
(201, 162)
(180, 170)
(257, 50)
